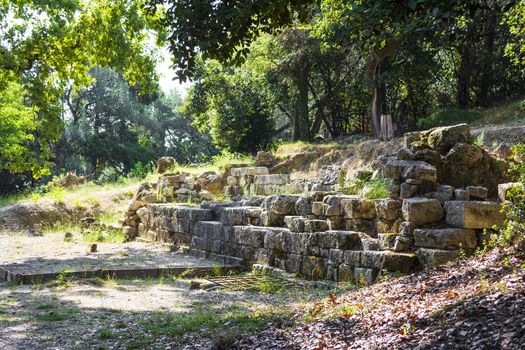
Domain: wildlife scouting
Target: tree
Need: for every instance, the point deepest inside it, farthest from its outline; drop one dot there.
(232, 106)
(47, 46)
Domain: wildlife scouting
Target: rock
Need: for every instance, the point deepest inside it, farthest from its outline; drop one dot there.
(295, 223)
(444, 138)
(339, 239)
(434, 257)
(303, 207)
(402, 243)
(364, 276)
(87, 221)
(402, 262)
(264, 159)
(232, 180)
(386, 240)
(422, 211)
(503, 150)
(333, 205)
(271, 219)
(205, 195)
(406, 229)
(318, 208)
(405, 169)
(272, 179)
(461, 195)
(211, 182)
(358, 208)
(281, 204)
(388, 209)
(474, 214)
(450, 238)
(68, 237)
(405, 154)
(408, 190)
(504, 188)
(165, 163)
(315, 226)
(470, 165)
(249, 171)
(92, 248)
(443, 193)
(477, 193)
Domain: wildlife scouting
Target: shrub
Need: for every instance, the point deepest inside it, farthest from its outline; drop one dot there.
(449, 116)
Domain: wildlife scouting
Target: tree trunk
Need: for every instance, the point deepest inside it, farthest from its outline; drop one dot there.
(302, 127)
(488, 48)
(373, 68)
(466, 64)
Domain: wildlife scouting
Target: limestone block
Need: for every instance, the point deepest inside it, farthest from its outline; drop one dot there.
(358, 208)
(408, 190)
(277, 239)
(405, 169)
(293, 263)
(450, 238)
(333, 204)
(406, 228)
(318, 208)
(474, 214)
(336, 223)
(402, 262)
(434, 257)
(477, 193)
(365, 276)
(303, 207)
(271, 219)
(369, 244)
(461, 195)
(352, 257)
(339, 239)
(345, 273)
(235, 216)
(295, 223)
(386, 240)
(388, 209)
(263, 257)
(359, 225)
(312, 225)
(402, 243)
(335, 256)
(405, 154)
(314, 267)
(272, 179)
(302, 243)
(249, 171)
(422, 211)
(444, 138)
(281, 204)
(443, 193)
(211, 230)
(250, 235)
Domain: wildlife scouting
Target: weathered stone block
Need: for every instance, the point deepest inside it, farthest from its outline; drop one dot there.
(250, 235)
(333, 205)
(211, 230)
(477, 192)
(277, 239)
(406, 228)
(388, 209)
(408, 190)
(335, 256)
(271, 219)
(461, 195)
(369, 244)
(294, 263)
(281, 204)
(444, 138)
(474, 214)
(336, 223)
(365, 276)
(249, 171)
(314, 267)
(422, 211)
(362, 225)
(451, 238)
(303, 207)
(386, 240)
(302, 243)
(443, 193)
(233, 216)
(295, 223)
(358, 208)
(402, 262)
(272, 179)
(352, 257)
(338, 239)
(434, 257)
(318, 208)
(345, 273)
(315, 225)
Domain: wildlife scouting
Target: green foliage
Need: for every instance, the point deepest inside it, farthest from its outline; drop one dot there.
(232, 107)
(449, 116)
(372, 189)
(47, 46)
(18, 123)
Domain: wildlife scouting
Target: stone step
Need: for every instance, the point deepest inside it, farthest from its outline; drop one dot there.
(433, 257)
(447, 238)
(249, 171)
(234, 216)
(272, 179)
(474, 214)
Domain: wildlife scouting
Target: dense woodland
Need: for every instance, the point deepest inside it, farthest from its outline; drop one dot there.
(79, 91)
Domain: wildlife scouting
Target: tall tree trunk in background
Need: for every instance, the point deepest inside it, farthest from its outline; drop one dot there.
(488, 49)
(302, 121)
(373, 68)
(465, 67)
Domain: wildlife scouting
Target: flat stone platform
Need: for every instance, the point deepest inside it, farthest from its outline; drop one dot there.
(29, 259)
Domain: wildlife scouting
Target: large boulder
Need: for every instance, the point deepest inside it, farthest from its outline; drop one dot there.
(470, 165)
(264, 159)
(211, 182)
(422, 211)
(474, 214)
(444, 138)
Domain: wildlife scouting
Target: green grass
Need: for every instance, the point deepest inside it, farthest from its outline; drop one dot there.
(371, 189)
(507, 113)
(56, 315)
(106, 333)
(217, 164)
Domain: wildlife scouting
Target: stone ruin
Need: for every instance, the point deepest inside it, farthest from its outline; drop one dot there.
(443, 199)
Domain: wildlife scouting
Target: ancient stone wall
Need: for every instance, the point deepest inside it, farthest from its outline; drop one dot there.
(425, 222)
